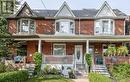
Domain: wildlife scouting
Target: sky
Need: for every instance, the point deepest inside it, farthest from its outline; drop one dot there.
(123, 5)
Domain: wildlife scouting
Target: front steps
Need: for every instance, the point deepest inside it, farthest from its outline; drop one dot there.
(80, 71)
(101, 69)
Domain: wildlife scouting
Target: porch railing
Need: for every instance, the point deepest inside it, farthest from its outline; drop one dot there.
(52, 59)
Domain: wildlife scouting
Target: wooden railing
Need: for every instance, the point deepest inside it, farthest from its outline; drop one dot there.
(117, 59)
(52, 59)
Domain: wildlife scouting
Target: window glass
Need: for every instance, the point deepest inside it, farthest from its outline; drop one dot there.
(25, 26)
(105, 27)
(65, 27)
(32, 26)
(97, 30)
(72, 27)
(59, 50)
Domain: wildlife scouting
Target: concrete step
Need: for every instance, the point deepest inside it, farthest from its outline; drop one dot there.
(102, 69)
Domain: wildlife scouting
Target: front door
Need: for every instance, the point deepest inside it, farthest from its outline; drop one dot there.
(78, 54)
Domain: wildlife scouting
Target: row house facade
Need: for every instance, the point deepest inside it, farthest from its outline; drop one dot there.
(64, 36)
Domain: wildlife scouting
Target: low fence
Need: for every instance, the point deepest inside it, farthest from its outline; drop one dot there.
(117, 59)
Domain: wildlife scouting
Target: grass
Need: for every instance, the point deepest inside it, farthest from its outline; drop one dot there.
(40, 79)
(95, 77)
(125, 80)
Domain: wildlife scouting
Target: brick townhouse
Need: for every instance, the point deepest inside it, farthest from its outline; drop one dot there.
(63, 36)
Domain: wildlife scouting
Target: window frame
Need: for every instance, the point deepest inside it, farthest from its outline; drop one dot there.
(19, 26)
(65, 20)
(101, 27)
(64, 49)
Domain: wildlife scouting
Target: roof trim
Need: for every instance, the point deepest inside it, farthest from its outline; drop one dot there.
(105, 4)
(64, 4)
(25, 4)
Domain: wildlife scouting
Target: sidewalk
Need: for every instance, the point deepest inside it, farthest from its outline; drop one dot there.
(81, 80)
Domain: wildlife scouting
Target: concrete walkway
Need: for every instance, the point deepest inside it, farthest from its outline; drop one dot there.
(81, 80)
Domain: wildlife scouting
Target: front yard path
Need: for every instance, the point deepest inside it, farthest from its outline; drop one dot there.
(81, 80)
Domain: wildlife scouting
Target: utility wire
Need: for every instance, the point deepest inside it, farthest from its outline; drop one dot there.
(45, 8)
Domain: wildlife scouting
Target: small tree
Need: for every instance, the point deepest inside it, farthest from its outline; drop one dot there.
(88, 58)
(37, 57)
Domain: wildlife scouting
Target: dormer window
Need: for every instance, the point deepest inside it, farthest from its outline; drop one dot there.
(65, 26)
(26, 26)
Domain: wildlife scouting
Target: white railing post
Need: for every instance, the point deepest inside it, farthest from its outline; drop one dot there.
(39, 46)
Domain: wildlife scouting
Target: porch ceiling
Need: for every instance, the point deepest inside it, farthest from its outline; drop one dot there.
(73, 38)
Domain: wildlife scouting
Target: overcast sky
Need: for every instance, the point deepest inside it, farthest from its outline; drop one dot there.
(123, 5)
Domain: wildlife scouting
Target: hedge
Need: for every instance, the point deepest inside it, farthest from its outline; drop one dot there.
(16, 76)
(95, 77)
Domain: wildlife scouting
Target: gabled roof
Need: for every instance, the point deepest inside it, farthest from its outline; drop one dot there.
(25, 9)
(106, 13)
(64, 11)
(84, 13)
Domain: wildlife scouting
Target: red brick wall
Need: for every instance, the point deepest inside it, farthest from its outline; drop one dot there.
(119, 27)
(31, 47)
(12, 26)
(47, 48)
(86, 27)
(69, 48)
(45, 26)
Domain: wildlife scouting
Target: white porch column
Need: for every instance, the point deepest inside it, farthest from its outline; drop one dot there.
(39, 46)
(87, 46)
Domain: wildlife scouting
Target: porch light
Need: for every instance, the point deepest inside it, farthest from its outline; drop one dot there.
(30, 55)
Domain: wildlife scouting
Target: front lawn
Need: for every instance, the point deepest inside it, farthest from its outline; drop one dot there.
(41, 79)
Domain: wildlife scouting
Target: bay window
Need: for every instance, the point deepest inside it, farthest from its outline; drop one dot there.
(104, 26)
(59, 49)
(26, 26)
(65, 26)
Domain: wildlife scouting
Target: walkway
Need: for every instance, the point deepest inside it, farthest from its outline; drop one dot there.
(81, 80)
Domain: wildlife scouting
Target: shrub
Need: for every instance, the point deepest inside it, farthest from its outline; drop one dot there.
(2, 68)
(88, 58)
(38, 61)
(48, 69)
(95, 77)
(16, 76)
(120, 71)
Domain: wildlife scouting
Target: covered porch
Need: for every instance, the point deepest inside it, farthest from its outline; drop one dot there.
(71, 49)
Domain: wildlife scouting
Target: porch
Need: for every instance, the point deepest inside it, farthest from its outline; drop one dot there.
(70, 52)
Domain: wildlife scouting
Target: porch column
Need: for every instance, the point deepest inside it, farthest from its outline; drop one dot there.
(87, 46)
(39, 46)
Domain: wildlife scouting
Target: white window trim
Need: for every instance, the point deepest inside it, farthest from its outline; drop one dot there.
(19, 32)
(100, 20)
(56, 54)
(65, 20)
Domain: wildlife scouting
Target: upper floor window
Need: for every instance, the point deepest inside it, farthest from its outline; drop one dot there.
(104, 26)
(26, 26)
(7, 7)
(65, 26)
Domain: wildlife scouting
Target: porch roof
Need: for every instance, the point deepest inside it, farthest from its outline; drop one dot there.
(73, 37)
